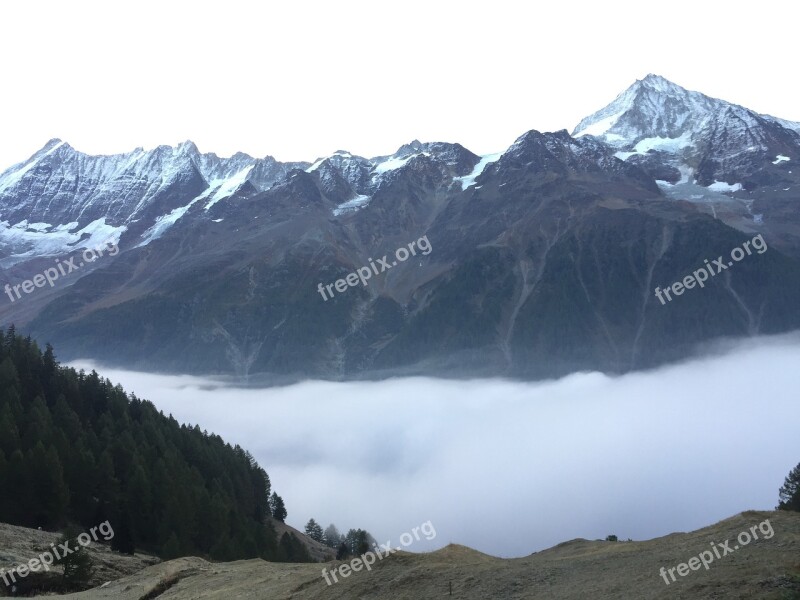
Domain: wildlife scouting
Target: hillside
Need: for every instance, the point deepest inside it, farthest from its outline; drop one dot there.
(76, 449)
(18, 545)
(768, 569)
(317, 551)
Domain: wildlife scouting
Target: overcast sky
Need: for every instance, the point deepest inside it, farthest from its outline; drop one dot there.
(302, 79)
(510, 468)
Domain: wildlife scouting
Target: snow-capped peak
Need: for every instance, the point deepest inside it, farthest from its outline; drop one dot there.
(671, 132)
(660, 84)
(652, 107)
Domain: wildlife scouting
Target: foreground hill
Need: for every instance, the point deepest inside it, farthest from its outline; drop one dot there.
(767, 568)
(18, 545)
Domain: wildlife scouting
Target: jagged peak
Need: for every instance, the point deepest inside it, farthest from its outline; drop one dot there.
(50, 146)
(660, 84)
(187, 147)
(52, 143)
(650, 107)
(411, 147)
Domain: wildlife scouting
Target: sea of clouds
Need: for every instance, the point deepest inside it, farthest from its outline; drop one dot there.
(509, 468)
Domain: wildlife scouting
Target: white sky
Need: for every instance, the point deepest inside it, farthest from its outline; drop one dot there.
(302, 79)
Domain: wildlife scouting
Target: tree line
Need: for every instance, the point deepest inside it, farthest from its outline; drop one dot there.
(354, 543)
(76, 450)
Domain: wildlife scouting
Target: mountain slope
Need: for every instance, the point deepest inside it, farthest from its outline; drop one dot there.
(540, 260)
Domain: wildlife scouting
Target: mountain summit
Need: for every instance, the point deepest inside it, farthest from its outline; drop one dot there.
(652, 107)
(682, 136)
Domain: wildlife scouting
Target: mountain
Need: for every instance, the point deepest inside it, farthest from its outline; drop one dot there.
(533, 262)
(60, 197)
(707, 140)
(730, 161)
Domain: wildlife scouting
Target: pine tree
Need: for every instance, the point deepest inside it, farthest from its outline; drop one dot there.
(314, 531)
(18, 493)
(123, 540)
(172, 549)
(278, 509)
(77, 565)
(292, 549)
(9, 378)
(343, 552)
(790, 491)
(4, 503)
(358, 541)
(58, 492)
(332, 538)
(9, 436)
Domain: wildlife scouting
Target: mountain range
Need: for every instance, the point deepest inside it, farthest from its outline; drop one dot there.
(543, 258)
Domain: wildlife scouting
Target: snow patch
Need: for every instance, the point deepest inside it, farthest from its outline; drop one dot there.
(164, 222)
(316, 165)
(721, 186)
(36, 241)
(228, 186)
(779, 159)
(352, 205)
(468, 180)
(687, 174)
(671, 145)
(600, 127)
(392, 164)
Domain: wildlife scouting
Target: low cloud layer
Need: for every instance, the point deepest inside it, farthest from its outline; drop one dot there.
(510, 468)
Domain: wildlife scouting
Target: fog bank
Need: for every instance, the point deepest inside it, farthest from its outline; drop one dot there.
(510, 468)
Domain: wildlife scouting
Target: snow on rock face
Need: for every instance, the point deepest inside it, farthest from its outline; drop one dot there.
(779, 159)
(61, 185)
(24, 240)
(468, 180)
(600, 126)
(226, 187)
(351, 206)
(721, 186)
(392, 163)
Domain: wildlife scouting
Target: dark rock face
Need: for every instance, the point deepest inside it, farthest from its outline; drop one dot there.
(657, 166)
